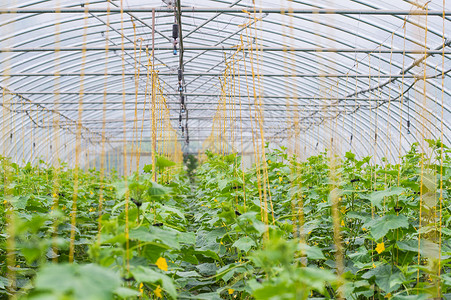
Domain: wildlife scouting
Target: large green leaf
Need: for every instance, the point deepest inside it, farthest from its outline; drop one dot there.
(244, 244)
(430, 199)
(163, 162)
(80, 281)
(427, 248)
(20, 202)
(429, 181)
(155, 234)
(387, 277)
(377, 197)
(157, 190)
(313, 252)
(380, 226)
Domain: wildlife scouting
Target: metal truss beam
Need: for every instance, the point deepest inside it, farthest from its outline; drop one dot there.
(286, 107)
(344, 75)
(247, 10)
(288, 96)
(218, 48)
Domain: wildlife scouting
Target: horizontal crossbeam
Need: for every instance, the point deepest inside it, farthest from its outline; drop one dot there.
(247, 10)
(218, 75)
(217, 48)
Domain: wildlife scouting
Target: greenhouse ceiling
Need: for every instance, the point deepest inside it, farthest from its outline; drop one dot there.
(367, 76)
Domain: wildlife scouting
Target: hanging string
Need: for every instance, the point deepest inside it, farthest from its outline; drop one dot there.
(402, 102)
(103, 142)
(55, 125)
(439, 291)
(73, 212)
(423, 148)
(124, 147)
(137, 63)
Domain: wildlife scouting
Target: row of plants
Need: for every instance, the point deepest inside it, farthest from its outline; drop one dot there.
(223, 231)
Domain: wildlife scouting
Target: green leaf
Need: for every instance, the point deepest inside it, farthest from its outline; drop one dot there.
(207, 296)
(207, 253)
(312, 252)
(168, 209)
(145, 274)
(89, 282)
(227, 272)
(377, 197)
(363, 216)
(430, 199)
(222, 184)
(157, 190)
(3, 282)
(125, 292)
(350, 155)
(20, 202)
(207, 269)
(188, 238)
(380, 226)
(427, 248)
(189, 274)
(244, 244)
(155, 234)
(163, 162)
(411, 297)
(147, 169)
(387, 277)
(429, 181)
(121, 189)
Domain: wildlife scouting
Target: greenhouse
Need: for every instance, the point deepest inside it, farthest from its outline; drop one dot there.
(182, 149)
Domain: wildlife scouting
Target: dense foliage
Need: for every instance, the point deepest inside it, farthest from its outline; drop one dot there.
(227, 232)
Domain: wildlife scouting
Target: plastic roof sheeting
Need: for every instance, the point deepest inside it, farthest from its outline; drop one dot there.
(360, 100)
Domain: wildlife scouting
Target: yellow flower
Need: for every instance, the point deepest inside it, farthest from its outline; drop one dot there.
(343, 223)
(388, 296)
(269, 161)
(91, 209)
(4, 201)
(222, 243)
(280, 178)
(91, 193)
(54, 195)
(162, 264)
(215, 200)
(380, 248)
(230, 291)
(374, 266)
(278, 173)
(141, 290)
(158, 292)
(18, 266)
(363, 228)
(64, 207)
